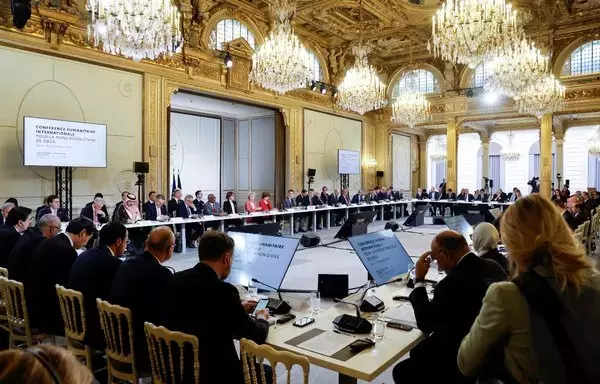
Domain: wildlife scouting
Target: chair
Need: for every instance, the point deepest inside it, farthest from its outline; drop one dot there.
(71, 307)
(13, 296)
(117, 326)
(250, 352)
(166, 371)
(3, 317)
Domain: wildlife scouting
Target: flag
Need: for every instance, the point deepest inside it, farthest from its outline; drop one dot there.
(173, 186)
(178, 181)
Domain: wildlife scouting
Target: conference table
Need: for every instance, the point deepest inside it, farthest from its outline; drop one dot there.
(366, 365)
(293, 213)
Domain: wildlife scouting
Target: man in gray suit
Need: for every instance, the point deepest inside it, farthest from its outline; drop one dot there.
(212, 208)
(290, 203)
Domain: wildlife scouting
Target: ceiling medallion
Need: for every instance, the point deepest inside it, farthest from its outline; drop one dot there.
(361, 90)
(411, 107)
(518, 66)
(546, 95)
(138, 29)
(471, 31)
(281, 64)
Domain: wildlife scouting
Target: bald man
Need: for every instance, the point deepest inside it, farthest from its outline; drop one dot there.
(448, 317)
(140, 284)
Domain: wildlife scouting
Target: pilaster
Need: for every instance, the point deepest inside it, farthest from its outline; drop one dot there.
(546, 155)
(452, 132)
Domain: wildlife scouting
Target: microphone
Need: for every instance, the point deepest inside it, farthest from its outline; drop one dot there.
(278, 307)
(351, 324)
(349, 303)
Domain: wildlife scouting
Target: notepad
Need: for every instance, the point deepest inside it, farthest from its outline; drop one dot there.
(327, 343)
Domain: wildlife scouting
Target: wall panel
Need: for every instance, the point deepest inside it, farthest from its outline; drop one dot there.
(401, 167)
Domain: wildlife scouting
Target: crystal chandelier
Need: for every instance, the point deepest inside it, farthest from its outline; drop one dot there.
(594, 143)
(518, 65)
(136, 29)
(361, 90)
(545, 95)
(410, 107)
(439, 153)
(510, 153)
(281, 63)
(470, 31)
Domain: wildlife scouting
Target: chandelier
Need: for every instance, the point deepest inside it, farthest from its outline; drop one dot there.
(281, 63)
(510, 153)
(439, 153)
(545, 95)
(410, 107)
(361, 90)
(471, 31)
(519, 64)
(136, 29)
(594, 143)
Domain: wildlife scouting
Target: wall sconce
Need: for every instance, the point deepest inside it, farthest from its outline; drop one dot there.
(369, 163)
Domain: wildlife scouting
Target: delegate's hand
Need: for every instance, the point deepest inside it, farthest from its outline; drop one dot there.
(262, 314)
(422, 266)
(249, 305)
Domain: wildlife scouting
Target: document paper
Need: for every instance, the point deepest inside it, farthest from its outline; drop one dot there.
(404, 314)
(327, 343)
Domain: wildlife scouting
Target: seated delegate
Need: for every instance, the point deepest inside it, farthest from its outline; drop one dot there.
(200, 303)
(447, 318)
(512, 339)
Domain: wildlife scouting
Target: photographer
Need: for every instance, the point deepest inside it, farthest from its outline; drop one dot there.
(535, 185)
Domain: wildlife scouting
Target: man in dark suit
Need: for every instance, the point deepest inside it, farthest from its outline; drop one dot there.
(499, 197)
(192, 230)
(53, 207)
(151, 202)
(465, 195)
(358, 198)
(17, 222)
(50, 265)
(373, 197)
(588, 203)
(450, 195)
(314, 200)
(103, 206)
(153, 211)
(290, 203)
(448, 317)
(575, 215)
(334, 200)
(198, 202)
(96, 211)
(175, 203)
(302, 200)
(324, 196)
(140, 285)
(200, 303)
(92, 274)
(433, 195)
(19, 260)
(483, 196)
(6, 207)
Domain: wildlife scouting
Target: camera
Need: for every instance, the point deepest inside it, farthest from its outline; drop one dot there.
(535, 184)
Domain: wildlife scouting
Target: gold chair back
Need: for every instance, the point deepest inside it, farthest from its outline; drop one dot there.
(250, 352)
(13, 295)
(3, 317)
(169, 355)
(117, 326)
(71, 308)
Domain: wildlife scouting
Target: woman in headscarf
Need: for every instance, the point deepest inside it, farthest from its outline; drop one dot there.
(485, 243)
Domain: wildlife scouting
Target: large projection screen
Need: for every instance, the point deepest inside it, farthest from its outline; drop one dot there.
(59, 143)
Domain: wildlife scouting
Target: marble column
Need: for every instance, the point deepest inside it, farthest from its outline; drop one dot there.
(452, 131)
(546, 155)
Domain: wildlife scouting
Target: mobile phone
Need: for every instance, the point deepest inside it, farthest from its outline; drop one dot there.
(303, 322)
(262, 304)
(285, 318)
(398, 325)
(361, 345)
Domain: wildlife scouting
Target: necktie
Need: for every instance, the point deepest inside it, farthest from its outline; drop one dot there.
(213, 208)
(189, 211)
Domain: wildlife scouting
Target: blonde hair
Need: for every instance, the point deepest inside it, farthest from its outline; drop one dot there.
(23, 367)
(534, 226)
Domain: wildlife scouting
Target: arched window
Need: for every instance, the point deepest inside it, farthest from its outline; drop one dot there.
(584, 60)
(315, 67)
(480, 74)
(426, 82)
(228, 30)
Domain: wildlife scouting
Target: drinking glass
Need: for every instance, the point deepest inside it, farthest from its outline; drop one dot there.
(315, 303)
(252, 290)
(378, 329)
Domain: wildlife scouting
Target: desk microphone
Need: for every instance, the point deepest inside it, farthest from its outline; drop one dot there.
(278, 307)
(349, 323)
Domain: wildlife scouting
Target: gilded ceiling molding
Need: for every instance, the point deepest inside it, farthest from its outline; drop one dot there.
(397, 76)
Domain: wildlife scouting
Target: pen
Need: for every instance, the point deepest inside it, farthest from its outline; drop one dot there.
(343, 333)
